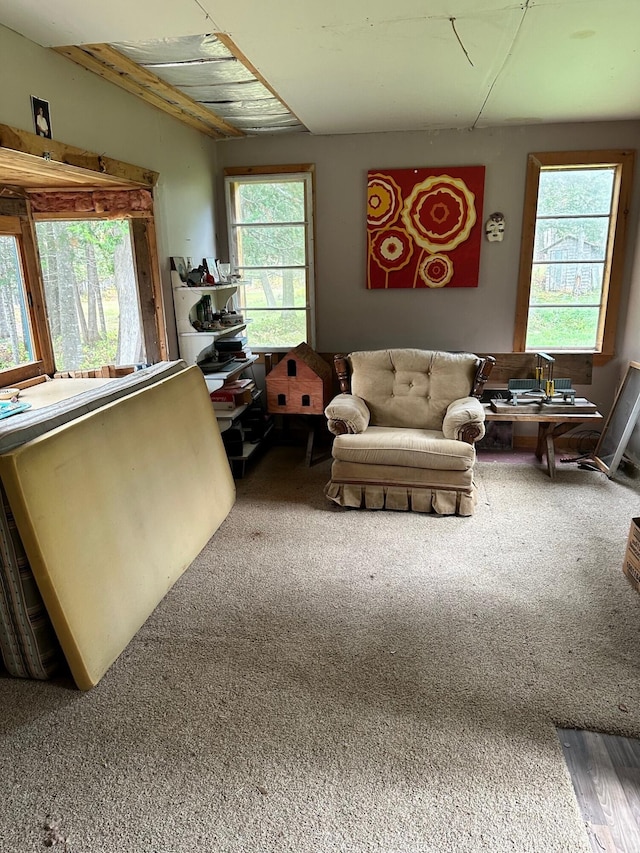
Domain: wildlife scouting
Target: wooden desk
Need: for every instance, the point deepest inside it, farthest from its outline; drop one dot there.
(551, 425)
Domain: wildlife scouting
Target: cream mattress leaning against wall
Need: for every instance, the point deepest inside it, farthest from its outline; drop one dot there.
(28, 644)
(113, 507)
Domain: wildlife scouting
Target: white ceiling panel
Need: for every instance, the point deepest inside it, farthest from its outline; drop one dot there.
(386, 68)
(349, 66)
(63, 22)
(574, 61)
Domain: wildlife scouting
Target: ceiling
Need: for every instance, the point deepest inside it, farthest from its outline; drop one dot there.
(360, 66)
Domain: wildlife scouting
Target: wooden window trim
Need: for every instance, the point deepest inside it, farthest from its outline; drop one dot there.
(246, 171)
(21, 227)
(288, 169)
(624, 161)
(147, 270)
(30, 165)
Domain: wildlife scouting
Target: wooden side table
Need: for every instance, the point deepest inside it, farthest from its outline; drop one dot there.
(551, 425)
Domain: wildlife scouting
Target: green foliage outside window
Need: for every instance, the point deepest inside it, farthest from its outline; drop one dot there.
(571, 234)
(269, 230)
(16, 346)
(90, 293)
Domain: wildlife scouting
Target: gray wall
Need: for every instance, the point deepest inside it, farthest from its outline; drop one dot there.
(480, 319)
(91, 113)
(87, 112)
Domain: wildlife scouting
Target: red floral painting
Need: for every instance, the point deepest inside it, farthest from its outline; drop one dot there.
(424, 227)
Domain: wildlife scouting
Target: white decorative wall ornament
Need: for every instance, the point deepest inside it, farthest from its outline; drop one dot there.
(494, 227)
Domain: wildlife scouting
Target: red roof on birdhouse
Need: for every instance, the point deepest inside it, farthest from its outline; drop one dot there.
(304, 354)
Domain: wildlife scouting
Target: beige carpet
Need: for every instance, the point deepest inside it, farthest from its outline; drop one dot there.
(325, 680)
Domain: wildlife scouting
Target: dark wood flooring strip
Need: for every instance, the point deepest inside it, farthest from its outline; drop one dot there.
(605, 771)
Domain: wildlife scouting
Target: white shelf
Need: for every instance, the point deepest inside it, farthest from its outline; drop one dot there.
(249, 448)
(210, 288)
(214, 334)
(232, 369)
(226, 417)
(196, 345)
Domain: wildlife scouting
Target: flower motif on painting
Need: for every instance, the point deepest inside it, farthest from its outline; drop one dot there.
(436, 270)
(392, 248)
(439, 213)
(383, 200)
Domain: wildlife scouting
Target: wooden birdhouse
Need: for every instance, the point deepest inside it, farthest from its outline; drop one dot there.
(300, 384)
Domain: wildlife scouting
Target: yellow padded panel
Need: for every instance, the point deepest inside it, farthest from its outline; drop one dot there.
(113, 507)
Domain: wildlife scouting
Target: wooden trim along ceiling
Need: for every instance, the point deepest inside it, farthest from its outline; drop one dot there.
(113, 66)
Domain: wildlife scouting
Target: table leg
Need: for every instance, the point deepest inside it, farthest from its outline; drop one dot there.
(547, 433)
(543, 428)
(551, 455)
(311, 437)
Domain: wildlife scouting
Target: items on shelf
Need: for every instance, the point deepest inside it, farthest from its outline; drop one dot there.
(211, 335)
(204, 317)
(233, 393)
(233, 343)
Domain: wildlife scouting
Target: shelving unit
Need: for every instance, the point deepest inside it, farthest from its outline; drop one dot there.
(248, 449)
(193, 344)
(194, 347)
(226, 420)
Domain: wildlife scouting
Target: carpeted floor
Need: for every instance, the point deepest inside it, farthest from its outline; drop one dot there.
(325, 680)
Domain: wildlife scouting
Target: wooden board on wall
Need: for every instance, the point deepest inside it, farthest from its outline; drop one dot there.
(27, 160)
(578, 367)
(575, 366)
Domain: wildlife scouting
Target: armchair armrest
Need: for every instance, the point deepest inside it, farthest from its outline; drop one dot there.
(347, 413)
(464, 420)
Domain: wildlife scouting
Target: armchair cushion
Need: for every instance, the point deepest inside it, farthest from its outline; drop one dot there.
(349, 410)
(461, 413)
(410, 387)
(409, 448)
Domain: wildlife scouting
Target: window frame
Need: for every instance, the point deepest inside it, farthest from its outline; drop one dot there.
(21, 227)
(256, 174)
(144, 249)
(623, 162)
(32, 168)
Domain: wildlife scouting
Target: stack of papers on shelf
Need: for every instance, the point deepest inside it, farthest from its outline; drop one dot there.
(234, 393)
(232, 343)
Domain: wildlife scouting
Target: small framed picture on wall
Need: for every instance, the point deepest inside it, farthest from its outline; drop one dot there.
(41, 117)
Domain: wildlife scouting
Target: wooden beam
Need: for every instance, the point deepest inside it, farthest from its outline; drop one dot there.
(149, 289)
(521, 365)
(575, 366)
(147, 79)
(47, 157)
(111, 65)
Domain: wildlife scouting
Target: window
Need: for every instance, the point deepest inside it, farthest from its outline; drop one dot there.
(572, 252)
(91, 292)
(91, 223)
(16, 338)
(25, 349)
(270, 217)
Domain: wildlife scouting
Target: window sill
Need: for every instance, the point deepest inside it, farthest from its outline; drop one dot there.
(599, 358)
(602, 358)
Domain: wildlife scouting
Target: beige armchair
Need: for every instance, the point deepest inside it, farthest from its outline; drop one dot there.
(405, 424)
